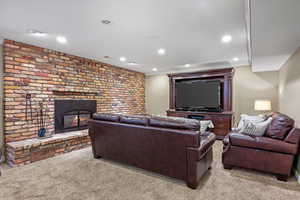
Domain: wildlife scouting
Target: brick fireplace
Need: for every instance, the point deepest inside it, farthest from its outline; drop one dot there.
(47, 76)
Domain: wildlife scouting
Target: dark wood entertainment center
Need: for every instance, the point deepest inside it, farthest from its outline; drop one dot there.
(221, 120)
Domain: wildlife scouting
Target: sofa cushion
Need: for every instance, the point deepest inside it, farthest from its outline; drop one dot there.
(280, 126)
(174, 123)
(135, 119)
(106, 117)
(263, 143)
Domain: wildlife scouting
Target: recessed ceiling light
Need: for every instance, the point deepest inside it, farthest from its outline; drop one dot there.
(161, 51)
(122, 59)
(235, 59)
(154, 69)
(226, 38)
(61, 39)
(105, 21)
(187, 65)
(132, 63)
(36, 33)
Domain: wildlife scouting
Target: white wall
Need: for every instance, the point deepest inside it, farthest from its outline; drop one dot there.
(157, 94)
(289, 91)
(249, 86)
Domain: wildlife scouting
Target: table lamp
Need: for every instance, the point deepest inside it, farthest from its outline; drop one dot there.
(262, 105)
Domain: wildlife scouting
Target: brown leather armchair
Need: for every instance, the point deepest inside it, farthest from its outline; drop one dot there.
(274, 152)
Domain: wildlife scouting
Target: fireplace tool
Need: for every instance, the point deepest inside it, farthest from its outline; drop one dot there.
(28, 106)
(41, 121)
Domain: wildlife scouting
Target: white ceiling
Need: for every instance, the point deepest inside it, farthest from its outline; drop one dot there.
(275, 32)
(189, 30)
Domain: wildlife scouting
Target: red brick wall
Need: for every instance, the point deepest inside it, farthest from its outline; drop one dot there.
(49, 75)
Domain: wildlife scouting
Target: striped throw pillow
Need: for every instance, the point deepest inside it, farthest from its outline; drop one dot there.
(249, 128)
(256, 129)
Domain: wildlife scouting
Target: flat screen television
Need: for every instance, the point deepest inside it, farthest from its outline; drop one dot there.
(198, 95)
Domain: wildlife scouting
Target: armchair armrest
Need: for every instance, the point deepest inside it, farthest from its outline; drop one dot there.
(262, 143)
(293, 136)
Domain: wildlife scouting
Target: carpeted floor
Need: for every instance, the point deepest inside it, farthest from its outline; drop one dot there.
(77, 175)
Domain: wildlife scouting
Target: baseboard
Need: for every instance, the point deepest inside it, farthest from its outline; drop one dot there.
(297, 175)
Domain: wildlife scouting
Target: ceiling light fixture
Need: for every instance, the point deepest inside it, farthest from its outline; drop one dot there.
(105, 21)
(132, 63)
(154, 69)
(235, 59)
(161, 51)
(61, 39)
(36, 33)
(187, 65)
(123, 59)
(226, 38)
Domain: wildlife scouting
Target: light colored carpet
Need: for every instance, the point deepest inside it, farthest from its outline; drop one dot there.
(77, 175)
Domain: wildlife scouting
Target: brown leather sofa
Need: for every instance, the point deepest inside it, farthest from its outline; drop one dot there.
(274, 152)
(166, 145)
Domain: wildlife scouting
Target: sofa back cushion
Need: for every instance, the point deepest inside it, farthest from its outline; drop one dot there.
(174, 123)
(107, 117)
(280, 126)
(134, 119)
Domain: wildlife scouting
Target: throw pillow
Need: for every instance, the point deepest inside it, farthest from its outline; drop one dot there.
(250, 118)
(256, 129)
(280, 126)
(205, 124)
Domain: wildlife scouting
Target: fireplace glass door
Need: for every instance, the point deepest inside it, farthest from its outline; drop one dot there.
(70, 121)
(76, 119)
(83, 119)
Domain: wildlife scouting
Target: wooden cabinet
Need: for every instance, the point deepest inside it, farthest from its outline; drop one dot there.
(222, 121)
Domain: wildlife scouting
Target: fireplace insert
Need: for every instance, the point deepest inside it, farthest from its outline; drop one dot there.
(73, 115)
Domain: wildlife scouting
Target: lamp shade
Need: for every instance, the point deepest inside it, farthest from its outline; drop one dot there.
(262, 105)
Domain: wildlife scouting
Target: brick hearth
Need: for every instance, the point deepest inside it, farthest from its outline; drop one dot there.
(31, 150)
(48, 75)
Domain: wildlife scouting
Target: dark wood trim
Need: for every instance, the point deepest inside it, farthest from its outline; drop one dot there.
(200, 113)
(207, 73)
(223, 75)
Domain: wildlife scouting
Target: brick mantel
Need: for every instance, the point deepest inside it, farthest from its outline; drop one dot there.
(48, 75)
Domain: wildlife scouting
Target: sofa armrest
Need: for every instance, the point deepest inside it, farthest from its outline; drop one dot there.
(263, 143)
(293, 136)
(226, 138)
(207, 140)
